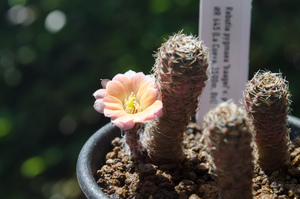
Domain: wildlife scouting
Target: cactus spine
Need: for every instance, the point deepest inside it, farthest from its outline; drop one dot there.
(180, 70)
(228, 135)
(266, 99)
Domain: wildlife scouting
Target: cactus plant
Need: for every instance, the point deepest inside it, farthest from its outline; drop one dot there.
(267, 101)
(154, 111)
(228, 135)
(180, 71)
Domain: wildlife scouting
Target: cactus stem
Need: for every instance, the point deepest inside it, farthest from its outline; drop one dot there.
(266, 99)
(180, 71)
(228, 135)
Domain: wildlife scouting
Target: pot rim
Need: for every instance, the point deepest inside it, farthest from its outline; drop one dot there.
(88, 162)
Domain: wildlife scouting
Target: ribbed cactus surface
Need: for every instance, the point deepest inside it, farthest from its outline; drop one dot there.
(228, 135)
(180, 71)
(266, 99)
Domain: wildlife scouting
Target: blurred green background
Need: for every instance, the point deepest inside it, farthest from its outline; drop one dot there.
(54, 52)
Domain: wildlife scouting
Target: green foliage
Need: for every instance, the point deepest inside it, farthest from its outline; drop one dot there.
(47, 78)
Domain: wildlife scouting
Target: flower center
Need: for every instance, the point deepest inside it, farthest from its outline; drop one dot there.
(131, 105)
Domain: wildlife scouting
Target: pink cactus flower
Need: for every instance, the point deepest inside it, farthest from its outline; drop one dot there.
(128, 99)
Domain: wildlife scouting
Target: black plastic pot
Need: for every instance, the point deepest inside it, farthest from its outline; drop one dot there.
(93, 154)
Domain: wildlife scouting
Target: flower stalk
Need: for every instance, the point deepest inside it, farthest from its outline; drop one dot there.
(132, 136)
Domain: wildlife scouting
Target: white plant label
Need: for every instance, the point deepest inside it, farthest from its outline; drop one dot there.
(225, 29)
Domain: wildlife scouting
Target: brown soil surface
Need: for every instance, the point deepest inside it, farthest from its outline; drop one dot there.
(122, 178)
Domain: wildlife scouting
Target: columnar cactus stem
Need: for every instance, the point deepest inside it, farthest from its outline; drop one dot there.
(228, 135)
(266, 100)
(180, 70)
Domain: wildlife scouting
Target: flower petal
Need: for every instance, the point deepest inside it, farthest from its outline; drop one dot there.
(152, 112)
(114, 114)
(130, 74)
(101, 93)
(149, 96)
(138, 80)
(150, 78)
(104, 82)
(116, 89)
(146, 85)
(155, 111)
(112, 103)
(99, 106)
(125, 81)
(124, 122)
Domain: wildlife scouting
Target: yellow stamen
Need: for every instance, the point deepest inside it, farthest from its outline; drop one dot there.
(131, 105)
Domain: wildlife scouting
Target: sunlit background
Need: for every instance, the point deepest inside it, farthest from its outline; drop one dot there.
(53, 54)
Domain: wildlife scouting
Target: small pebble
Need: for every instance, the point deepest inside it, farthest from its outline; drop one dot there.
(194, 196)
(265, 181)
(111, 155)
(117, 142)
(187, 186)
(202, 168)
(296, 161)
(146, 170)
(110, 162)
(118, 166)
(295, 153)
(256, 186)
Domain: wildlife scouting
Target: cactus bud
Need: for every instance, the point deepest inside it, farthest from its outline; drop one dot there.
(228, 135)
(180, 70)
(266, 99)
